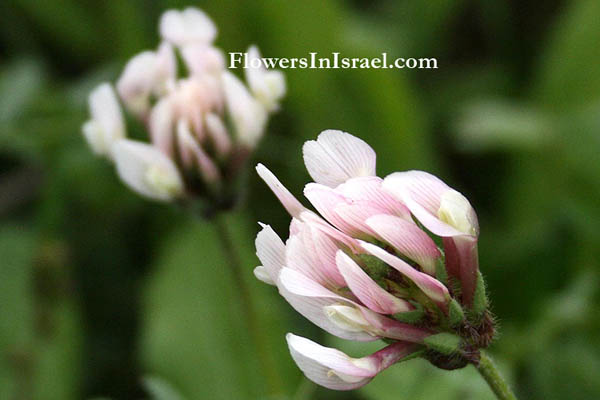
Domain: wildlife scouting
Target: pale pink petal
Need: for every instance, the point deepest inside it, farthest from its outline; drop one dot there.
(319, 223)
(289, 202)
(433, 288)
(406, 237)
(370, 189)
(149, 72)
(422, 193)
(270, 250)
(218, 134)
(424, 188)
(295, 226)
(430, 221)
(165, 69)
(315, 302)
(191, 151)
(355, 215)
(136, 82)
(337, 156)
(325, 200)
(162, 126)
(261, 274)
(301, 258)
(330, 367)
(310, 299)
(188, 26)
(105, 109)
(268, 86)
(247, 114)
(147, 171)
(312, 252)
(201, 58)
(366, 290)
(326, 248)
(335, 370)
(462, 261)
(107, 124)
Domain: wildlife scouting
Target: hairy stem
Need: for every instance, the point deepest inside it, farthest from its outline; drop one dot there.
(491, 374)
(248, 307)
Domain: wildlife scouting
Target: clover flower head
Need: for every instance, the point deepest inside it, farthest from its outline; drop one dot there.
(366, 266)
(202, 122)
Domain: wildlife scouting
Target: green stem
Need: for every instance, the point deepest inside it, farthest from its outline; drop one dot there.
(492, 376)
(248, 308)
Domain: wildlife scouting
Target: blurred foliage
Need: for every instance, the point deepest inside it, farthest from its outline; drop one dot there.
(106, 295)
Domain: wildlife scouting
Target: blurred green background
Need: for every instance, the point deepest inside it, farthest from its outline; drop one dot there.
(105, 294)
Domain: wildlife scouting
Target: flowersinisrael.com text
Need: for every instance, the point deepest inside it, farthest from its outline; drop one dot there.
(334, 61)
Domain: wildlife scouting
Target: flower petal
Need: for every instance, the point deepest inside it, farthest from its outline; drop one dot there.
(337, 156)
(312, 252)
(147, 170)
(270, 250)
(188, 26)
(366, 290)
(370, 189)
(341, 316)
(201, 58)
(261, 274)
(289, 202)
(268, 86)
(161, 125)
(146, 73)
(311, 299)
(356, 215)
(248, 115)
(218, 134)
(408, 239)
(329, 367)
(325, 200)
(423, 187)
(192, 153)
(433, 288)
(422, 194)
(107, 124)
(322, 225)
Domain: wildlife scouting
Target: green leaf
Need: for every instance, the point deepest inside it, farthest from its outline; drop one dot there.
(160, 389)
(195, 334)
(569, 73)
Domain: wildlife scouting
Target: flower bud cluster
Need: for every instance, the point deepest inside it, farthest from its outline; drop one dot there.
(393, 259)
(202, 121)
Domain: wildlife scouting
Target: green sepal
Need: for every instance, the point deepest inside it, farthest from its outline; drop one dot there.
(480, 300)
(374, 267)
(396, 289)
(445, 343)
(411, 317)
(440, 271)
(455, 313)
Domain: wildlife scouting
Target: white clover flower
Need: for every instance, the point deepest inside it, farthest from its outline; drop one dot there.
(362, 268)
(201, 118)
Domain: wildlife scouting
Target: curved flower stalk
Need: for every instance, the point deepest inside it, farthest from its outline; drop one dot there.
(202, 122)
(367, 267)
